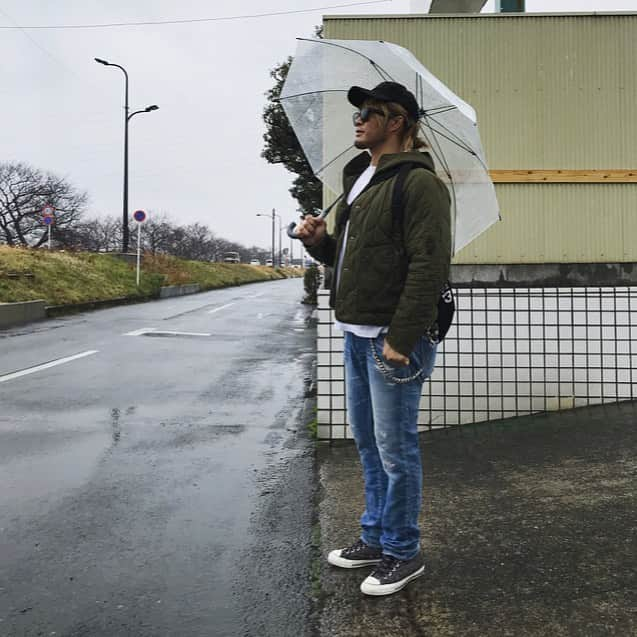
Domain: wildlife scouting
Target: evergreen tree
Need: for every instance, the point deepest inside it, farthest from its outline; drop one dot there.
(283, 147)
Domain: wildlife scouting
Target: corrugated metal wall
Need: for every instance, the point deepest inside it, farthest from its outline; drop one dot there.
(551, 92)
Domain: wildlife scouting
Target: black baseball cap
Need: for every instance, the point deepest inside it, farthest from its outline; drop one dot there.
(386, 92)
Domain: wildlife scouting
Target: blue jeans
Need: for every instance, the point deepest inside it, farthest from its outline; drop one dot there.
(382, 408)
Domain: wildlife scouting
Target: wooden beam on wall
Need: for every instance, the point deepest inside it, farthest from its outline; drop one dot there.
(563, 176)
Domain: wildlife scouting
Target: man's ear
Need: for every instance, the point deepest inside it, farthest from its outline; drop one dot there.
(395, 124)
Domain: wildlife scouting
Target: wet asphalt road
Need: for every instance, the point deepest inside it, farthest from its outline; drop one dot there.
(162, 485)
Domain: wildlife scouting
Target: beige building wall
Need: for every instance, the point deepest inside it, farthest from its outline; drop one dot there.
(552, 92)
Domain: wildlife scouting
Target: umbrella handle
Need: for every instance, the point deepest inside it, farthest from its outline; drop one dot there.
(291, 232)
(320, 215)
(291, 226)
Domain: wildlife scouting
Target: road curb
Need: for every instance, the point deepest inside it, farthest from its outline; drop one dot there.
(72, 308)
(12, 314)
(168, 291)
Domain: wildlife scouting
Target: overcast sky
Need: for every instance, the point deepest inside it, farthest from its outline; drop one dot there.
(198, 157)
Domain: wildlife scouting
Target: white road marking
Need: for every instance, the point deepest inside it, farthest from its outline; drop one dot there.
(139, 332)
(54, 363)
(220, 308)
(168, 333)
(257, 295)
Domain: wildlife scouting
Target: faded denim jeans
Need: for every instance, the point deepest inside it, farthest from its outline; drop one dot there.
(382, 408)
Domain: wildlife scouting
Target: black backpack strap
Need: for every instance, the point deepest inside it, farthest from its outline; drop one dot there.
(397, 200)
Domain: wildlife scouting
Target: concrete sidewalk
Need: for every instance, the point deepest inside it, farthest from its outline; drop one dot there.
(529, 527)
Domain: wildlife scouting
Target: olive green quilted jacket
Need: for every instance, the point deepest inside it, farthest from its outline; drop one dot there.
(388, 279)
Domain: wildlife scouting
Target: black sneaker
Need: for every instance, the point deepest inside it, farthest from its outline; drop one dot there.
(392, 574)
(355, 556)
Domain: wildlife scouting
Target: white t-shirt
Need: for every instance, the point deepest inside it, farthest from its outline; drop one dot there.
(366, 331)
(363, 179)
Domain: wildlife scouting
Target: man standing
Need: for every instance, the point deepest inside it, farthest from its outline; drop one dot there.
(388, 278)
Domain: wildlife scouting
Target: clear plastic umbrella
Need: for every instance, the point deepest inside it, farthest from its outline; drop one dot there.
(314, 97)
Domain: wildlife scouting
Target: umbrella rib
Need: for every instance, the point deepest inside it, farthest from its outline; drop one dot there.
(464, 145)
(439, 110)
(459, 140)
(327, 90)
(450, 137)
(331, 161)
(440, 156)
(383, 75)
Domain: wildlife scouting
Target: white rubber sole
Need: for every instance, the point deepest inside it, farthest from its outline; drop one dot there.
(335, 559)
(370, 588)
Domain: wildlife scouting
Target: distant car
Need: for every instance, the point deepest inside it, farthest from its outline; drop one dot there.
(231, 257)
(255, 262)
(268, 262)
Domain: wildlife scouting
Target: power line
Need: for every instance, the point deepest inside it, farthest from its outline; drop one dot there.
(192, 20)
(48, 53)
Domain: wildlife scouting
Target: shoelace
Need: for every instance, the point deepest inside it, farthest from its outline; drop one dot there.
(358, 546)
(387, 566)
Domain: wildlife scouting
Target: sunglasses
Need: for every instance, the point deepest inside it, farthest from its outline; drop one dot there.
(365, 113)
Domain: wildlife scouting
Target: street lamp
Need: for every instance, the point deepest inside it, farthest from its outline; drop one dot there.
(127, 117)
(148, 109)
(273, 215)
(280, 231)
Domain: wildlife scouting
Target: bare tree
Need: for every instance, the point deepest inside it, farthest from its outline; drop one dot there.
(24, 191)
(197, 243)
(262, 254)
(102, 234)
(157, 232)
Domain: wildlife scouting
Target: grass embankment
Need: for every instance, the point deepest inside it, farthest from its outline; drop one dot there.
(63, 278)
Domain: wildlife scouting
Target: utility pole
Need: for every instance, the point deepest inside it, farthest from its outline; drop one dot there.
(273, 215)
(280, 247)
(259, 214)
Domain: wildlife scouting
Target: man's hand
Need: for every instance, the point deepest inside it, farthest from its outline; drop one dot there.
(392, 356)
(311, 230)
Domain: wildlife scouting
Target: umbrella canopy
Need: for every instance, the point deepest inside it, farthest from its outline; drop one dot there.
(314, 97)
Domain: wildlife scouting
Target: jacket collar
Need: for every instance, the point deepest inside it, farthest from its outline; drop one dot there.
(357, 165)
